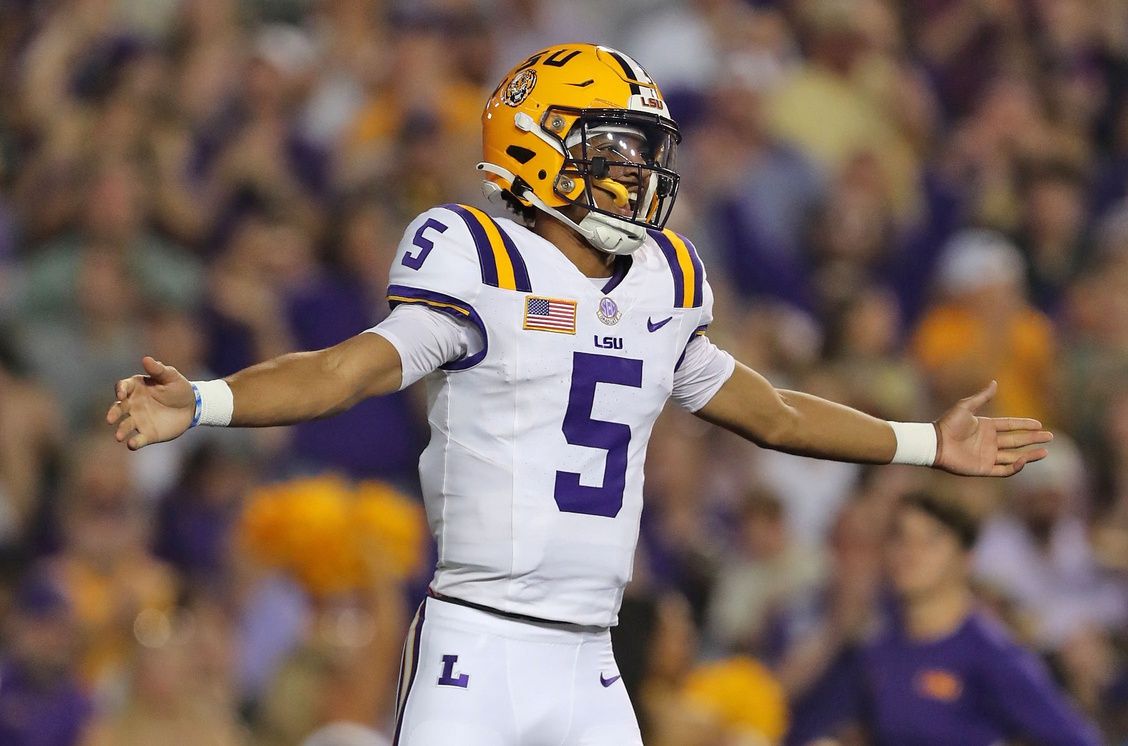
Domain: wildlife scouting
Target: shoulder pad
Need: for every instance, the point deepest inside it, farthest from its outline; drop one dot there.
(448, 253)
(470, 235)
(500, 261)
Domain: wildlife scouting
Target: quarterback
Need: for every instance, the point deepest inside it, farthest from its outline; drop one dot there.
(549, 344)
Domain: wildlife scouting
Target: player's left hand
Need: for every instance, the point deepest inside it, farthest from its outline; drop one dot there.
(987, 446)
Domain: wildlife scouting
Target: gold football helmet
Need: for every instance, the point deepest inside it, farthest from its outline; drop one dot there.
(574, 118)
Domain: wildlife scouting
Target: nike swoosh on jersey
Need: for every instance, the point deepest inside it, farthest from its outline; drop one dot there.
(608, 681)
(652, 327)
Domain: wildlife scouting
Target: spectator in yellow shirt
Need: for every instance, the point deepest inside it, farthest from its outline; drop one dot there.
(983, 327)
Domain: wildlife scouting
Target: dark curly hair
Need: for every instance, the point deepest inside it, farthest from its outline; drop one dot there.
(527, 214)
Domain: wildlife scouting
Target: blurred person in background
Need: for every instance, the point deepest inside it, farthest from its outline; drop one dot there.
(765, 570)
(834, 83)
(940, 671)
(982, 322)
(268, 254)
(676, 537)
(167, 697)
(274, 291)
(113, 220)
(181, 336)
(43, 702)
(194, 520)
(1038, 552)
(1110, 518)
(698, 25)
(733, 701)
(812, 642)
(31, 444)
(349, 37)
(1093, 668)
(1111, 179)
(423, 104)
(759, 192)
(207, 42)
(98, 332)
(254, 150)
(852, 233)
(343, 670)
(523, 26)
(1095, 326)
(965, 43)
(81, 290)
(1052, 232)
(104, 566)
(862, 351)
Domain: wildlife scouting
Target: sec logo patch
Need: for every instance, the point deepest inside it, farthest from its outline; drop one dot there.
(608, 312)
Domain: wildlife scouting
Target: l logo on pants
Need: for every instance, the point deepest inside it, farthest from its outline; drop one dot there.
(448, 678)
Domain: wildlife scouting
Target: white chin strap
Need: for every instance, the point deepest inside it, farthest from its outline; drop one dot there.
(605, 232)
(613, 235)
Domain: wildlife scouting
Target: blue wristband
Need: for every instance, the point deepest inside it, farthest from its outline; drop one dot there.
(199, 406)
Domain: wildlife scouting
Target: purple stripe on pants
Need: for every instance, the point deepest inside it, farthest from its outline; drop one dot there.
(411, 671)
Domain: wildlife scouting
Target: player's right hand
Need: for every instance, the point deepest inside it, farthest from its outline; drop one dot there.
(151, 408)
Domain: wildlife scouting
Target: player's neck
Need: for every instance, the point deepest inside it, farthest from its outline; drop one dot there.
(589, 260)
(938, 614)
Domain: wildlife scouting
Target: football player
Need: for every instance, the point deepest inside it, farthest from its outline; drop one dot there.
(549, 344)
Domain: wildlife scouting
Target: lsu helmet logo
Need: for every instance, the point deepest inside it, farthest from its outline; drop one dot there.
(520, 87)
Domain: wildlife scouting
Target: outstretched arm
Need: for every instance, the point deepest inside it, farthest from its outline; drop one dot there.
(160, 404)
(794, 422)
(410, 343)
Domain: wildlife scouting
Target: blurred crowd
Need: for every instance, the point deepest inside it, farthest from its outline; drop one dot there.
(896, 202)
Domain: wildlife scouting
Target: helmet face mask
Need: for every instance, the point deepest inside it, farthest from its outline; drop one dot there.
(580, 132)
(627, 155)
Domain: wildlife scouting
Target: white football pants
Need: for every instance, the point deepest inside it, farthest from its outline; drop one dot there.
(471, 678)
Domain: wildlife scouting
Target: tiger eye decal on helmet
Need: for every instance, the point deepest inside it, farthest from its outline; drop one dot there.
(520, 87)
(555, 105)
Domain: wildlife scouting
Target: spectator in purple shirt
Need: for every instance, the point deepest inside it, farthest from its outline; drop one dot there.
(41, 701)
(941, 672)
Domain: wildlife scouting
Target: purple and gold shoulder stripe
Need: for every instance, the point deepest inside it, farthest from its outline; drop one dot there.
(501, 263)
(685, 265)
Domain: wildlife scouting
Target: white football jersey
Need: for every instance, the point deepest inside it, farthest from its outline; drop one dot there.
(533, 475)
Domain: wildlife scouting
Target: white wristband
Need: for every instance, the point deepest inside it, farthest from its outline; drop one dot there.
(214, 403)
(916, 443)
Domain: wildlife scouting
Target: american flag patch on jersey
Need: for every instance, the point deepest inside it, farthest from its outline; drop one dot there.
(550, 315)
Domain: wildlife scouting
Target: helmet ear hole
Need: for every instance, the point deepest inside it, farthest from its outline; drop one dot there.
(520, 154)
